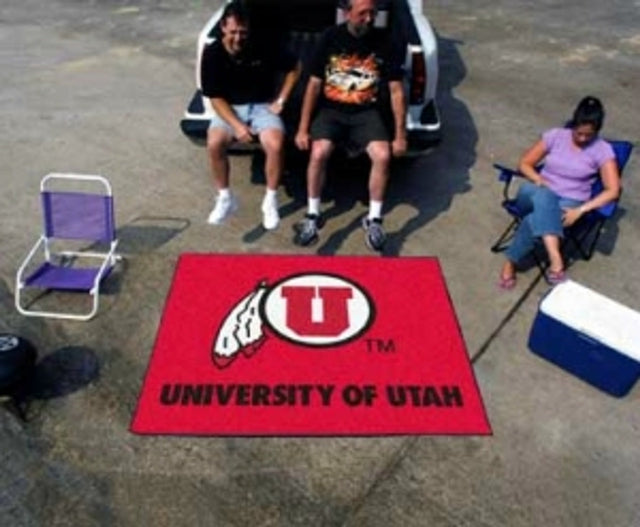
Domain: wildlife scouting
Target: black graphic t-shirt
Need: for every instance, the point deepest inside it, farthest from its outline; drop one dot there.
(249, 78)
(353, 69)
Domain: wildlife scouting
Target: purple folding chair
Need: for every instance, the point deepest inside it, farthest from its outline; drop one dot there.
(78, 217)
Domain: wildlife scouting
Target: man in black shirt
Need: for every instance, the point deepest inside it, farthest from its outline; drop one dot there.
(240, 79)
(352, 62)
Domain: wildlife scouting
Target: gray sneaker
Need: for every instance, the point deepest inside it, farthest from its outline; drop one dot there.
(307, 230)
(374, 235)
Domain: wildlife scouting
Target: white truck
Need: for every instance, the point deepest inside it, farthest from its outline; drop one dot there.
(299, 24)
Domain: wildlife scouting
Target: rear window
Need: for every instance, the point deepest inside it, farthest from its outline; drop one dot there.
(305, 16)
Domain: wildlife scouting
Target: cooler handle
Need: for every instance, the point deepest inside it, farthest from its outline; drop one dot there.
(584, 335)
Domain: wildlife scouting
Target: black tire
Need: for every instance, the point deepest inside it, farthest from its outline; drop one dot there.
(17, 362)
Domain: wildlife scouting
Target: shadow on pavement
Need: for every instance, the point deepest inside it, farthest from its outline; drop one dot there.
(607, 241)
(59, 374)
(144, 234)
(64, 372)
(430, 183)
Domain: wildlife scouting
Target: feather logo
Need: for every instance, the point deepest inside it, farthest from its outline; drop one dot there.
(242, 329)
(315, 310)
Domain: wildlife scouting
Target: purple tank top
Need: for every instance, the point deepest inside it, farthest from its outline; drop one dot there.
(569, 170)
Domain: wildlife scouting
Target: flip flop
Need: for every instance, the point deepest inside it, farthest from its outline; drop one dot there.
(507, 283)
(556, 277)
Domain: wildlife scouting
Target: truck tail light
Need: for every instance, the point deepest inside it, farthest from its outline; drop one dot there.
(418, 78)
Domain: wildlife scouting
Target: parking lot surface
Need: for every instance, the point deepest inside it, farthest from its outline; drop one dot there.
(99, 87)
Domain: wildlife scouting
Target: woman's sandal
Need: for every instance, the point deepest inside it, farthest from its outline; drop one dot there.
(556, 277)
(507, 283)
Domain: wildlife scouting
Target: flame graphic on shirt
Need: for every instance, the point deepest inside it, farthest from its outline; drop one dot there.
(241, 331)
(350, 79)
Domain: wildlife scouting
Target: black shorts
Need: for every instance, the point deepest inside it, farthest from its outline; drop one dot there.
(351, 130)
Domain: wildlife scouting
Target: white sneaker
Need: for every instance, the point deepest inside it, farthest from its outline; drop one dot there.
(270, 215)
(223, 209)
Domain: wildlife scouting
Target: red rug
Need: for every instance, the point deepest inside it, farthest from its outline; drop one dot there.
(296, 345)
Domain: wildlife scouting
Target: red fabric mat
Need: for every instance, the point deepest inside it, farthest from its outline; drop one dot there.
(309, 345)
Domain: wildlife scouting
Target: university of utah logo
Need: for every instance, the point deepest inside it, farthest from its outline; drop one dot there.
(312, 309)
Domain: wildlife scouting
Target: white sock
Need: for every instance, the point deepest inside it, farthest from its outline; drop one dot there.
(375, 209)
(224, 193)
(314, 206)
(270, 196)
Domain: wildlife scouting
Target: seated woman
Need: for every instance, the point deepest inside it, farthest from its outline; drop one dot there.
(560, 193)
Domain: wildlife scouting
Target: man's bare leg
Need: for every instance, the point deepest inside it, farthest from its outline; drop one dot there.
(307, 229)
(218, 140)
(272, 141)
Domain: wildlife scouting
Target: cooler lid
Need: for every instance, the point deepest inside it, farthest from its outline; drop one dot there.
(595, 316)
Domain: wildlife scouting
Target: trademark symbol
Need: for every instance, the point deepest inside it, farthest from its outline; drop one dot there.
(381, 345)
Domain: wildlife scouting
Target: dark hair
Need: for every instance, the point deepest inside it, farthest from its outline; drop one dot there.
(589, 111)
(236, 10)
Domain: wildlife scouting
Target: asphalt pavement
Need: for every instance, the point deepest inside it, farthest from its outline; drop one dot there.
(99, 87)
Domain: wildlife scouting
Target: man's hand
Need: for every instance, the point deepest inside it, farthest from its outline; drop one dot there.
(302, 140)
(243, 133)
(276, 106)
(399, 146)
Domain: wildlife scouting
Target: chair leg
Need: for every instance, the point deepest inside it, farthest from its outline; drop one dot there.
(541, 263)
(501, 243)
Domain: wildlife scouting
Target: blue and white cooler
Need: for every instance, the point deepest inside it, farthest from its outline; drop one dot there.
(589, 335)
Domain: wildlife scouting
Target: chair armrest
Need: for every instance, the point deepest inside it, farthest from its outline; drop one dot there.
(505, 174)
(108, 260)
